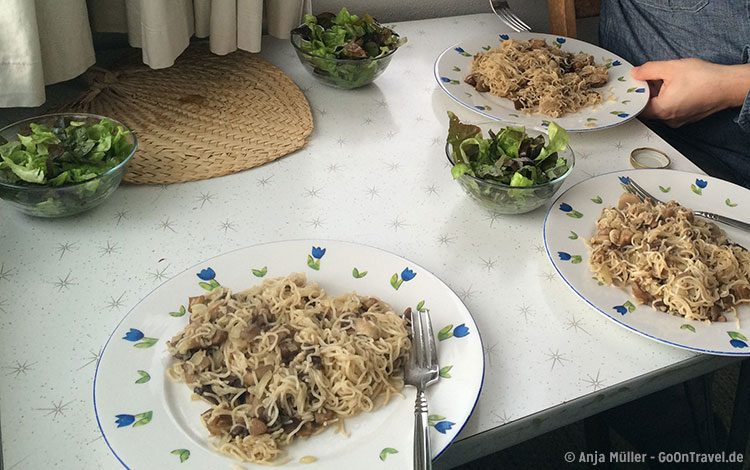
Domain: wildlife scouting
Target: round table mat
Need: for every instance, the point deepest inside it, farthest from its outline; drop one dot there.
(205, 116)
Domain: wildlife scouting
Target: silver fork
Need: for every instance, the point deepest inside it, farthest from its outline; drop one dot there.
(421, 372)
(503, 11)
(634, 188)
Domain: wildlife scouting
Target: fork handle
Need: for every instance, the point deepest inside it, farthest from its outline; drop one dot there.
(422, 460)
(724, 220)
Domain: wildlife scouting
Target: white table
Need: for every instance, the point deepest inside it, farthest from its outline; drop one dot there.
(374, 172)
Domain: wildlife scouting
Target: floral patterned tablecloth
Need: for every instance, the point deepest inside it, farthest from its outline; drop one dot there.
(374, 172)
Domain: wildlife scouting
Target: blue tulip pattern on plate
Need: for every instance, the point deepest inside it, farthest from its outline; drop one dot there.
(504, 37)
(449, 81)
(208, 279)
(738, 340)
(569, 211)
(141, 341)
(461, 51)
(636, 90)
(699, 186)
(564, 256)
(449, 331)
(627, 307)
(440, 424)
(406, 276)
(620, 114)
(313, 259)
(141, 419)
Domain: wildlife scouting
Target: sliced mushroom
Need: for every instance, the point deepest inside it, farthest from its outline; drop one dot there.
(257, 427)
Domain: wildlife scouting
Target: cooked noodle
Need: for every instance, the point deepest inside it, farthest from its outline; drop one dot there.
(670, 260)
(283, 359)
(538, 77)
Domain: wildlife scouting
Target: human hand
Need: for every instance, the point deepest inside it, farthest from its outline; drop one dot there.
(688, 90)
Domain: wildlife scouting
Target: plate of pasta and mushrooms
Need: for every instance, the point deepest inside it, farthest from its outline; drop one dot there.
(289, 353)
(534, 78)
(656, 268)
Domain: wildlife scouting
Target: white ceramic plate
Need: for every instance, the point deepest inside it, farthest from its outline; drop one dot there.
(623, 97)
(149, 421)
(572, 219)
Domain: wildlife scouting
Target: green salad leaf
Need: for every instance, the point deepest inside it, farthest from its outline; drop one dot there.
(64, 155)
(326, 38)
(67, 162)
(510, 156)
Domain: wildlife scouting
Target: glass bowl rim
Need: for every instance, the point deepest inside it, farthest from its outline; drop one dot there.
(504, 186)
(45, 187)
(295, 34)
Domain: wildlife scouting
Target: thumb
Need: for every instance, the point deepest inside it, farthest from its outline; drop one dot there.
(656, 70)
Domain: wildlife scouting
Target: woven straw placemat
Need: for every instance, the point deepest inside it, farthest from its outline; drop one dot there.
(205, 116)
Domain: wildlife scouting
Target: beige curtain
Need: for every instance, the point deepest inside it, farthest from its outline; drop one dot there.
(49, 41)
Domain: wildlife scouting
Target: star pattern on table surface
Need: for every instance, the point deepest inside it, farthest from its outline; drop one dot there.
(3, 304)
(321, 111)
(492, 217)
(421, 32)
(17, 369)
(618, 145)
(66, 247)
(576, 324)
(64, 282)
(91, 358)
(317, 222)
(647, 134)
(501, 419)
(341, 141)
(334, 168)
(539, 248)
(226, 226)
(397, 224)
(490, 353)
(108, 249)
(444, 239)
(313, 192)
(116, 303)
(372, 192)
(382, 103)
(265, 180)
(159, 274)
(120, 215)
(6, 273)
(435, 141)
(594, 382)
(584, 155)
(366, 121)
(525, 310)
(549, 275)
(489, 263)
(466, 293)
(556, 358)
(56, 409)
(167, 224)
(431, 190)
(390, 134)
(393, 166)
(419, 119)
(205, 198)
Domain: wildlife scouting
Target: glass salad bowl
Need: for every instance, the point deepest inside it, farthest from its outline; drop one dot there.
(56, 199)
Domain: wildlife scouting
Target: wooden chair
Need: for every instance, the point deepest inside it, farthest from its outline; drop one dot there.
(563, 14)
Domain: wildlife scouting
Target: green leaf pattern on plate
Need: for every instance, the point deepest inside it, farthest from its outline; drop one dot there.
(665, 190)
(179, 313)
(146, 343)
(445, 372)
(210, 285)
(445, 333)
(184, 454)
(260, 272)
(357, 274)
(686, 326)
(596, 200)
(386, 452)
(729, 203)
(573, 235)
(144, 377)
(143, 419)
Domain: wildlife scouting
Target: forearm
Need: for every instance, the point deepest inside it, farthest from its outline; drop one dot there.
(734, 85)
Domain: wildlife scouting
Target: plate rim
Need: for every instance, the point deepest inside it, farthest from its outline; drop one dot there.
(313, 241)
(595, 307)
(547, 35)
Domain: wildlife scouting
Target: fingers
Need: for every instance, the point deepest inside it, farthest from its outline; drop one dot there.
(655, 70)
